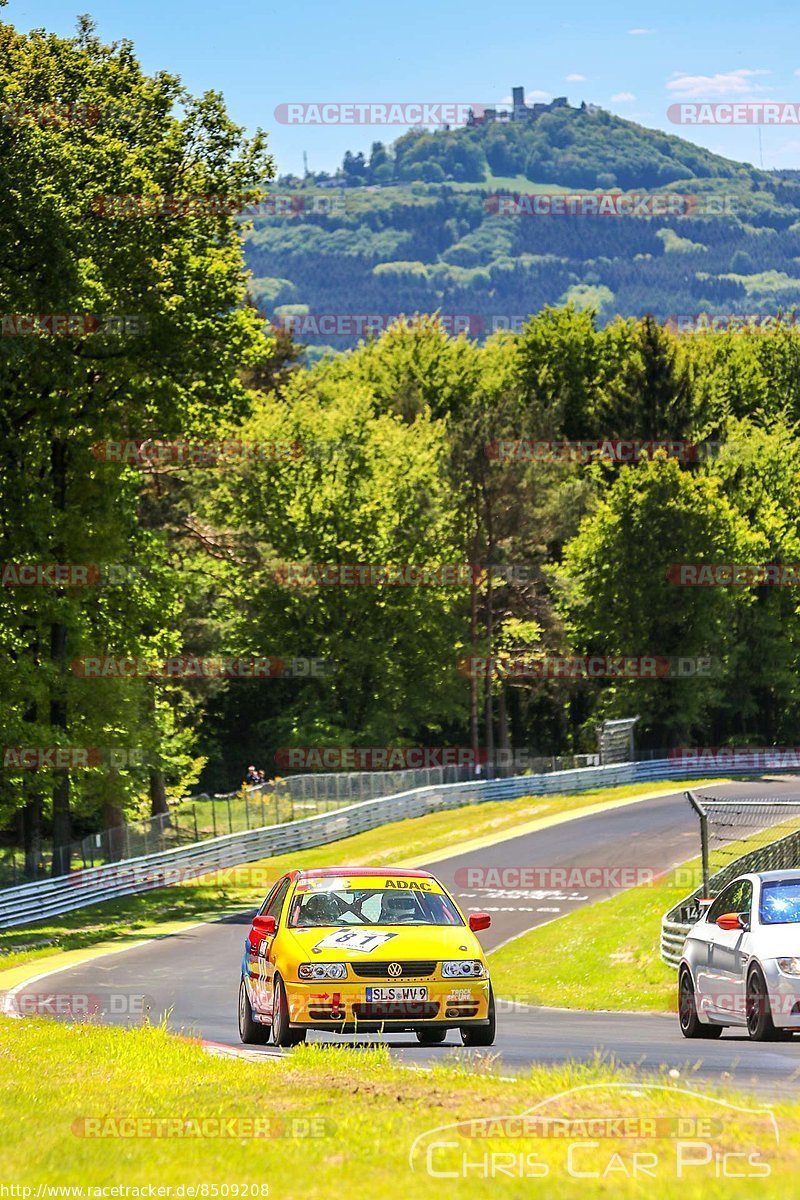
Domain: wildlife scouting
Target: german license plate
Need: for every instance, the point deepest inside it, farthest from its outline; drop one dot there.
(396, 993)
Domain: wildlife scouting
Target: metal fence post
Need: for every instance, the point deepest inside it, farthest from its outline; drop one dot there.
(246, 810)
(703, 815)
(230, 818)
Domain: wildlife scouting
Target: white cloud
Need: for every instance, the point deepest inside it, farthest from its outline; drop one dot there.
(728, 83)
(623, 97)
(575, 78)
(640, 32)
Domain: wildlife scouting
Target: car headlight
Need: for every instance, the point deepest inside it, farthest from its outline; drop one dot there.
(322, 971)
(463, 968)
(789, 966)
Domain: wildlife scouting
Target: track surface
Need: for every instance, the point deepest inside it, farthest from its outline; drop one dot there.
(193, 976)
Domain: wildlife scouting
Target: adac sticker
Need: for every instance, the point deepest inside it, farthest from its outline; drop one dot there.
(410, 884)
(360, 940)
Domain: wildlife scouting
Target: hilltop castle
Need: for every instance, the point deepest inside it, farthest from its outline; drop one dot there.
(519, 111)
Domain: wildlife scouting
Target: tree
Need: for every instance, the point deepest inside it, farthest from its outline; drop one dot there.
(173, 370)
(617, 595)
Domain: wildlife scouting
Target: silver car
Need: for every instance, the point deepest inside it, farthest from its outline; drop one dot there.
(741, 960)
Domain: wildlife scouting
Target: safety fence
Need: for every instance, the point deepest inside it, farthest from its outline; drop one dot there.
(781, 853)
(48, 897)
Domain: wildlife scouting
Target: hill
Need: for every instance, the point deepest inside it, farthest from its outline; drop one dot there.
(467, 221)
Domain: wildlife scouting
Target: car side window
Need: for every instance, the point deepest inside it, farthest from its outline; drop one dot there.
(742, 899)
(736, 897)
(270, 894)
(722, 904)
(275, 905)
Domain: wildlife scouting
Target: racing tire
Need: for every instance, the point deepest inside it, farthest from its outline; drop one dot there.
(282, 1032)
(250, 1032)
(430, 1037)
(760, 1026)
(690, 1023)
(481, 1035)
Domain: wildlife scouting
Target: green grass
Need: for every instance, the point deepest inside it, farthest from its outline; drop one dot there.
(244, 887)
(605, 956)
(346, 1120)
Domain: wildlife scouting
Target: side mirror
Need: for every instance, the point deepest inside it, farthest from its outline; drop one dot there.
(478, 921)
(264, 926)
(730, 920)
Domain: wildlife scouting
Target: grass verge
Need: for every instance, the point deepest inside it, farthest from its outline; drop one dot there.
(604, 956)
(142, 1107)
(241, 888)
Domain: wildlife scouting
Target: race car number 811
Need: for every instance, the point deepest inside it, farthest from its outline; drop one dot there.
(354, 939)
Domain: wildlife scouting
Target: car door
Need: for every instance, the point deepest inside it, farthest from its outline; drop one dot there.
(256, 951)
(730, 952)
(700, 946)
(265, 951)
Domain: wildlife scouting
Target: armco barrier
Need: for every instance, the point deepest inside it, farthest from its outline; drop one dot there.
(49, 897)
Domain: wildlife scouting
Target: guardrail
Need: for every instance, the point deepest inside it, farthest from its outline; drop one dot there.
(49, 897)
(784, 852)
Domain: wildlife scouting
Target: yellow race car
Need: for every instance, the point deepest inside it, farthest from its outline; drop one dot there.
(360, 950)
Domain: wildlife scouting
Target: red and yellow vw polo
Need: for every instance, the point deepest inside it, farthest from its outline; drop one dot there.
(360, 950)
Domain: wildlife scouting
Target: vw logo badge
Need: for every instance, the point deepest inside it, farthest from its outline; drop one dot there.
(394, 970)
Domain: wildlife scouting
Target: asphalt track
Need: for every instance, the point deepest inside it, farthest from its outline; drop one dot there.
(193, 976)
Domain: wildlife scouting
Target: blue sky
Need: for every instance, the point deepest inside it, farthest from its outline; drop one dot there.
(633, 60)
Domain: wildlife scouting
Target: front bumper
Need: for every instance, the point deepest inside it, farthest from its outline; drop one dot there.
(343, 1006)
(784, 996)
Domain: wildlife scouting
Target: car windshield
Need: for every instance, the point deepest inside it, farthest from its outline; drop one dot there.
(370, 906)
(780, 902)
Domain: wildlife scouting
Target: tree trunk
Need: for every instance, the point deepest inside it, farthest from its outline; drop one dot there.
(58, 656)
(32, 835)
(506, 767)
(473, 678)
(158, 794)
